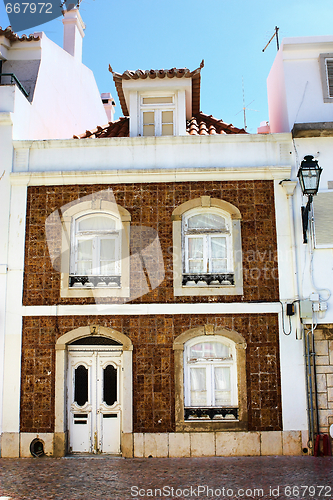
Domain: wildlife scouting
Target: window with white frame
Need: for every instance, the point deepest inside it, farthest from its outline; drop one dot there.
(326, 71)
(157, 115)
(207, 247)
(95, 250)
(207, 256)
(210, 378)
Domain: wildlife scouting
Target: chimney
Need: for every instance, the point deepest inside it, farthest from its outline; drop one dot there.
(73, 33)
(109, 105)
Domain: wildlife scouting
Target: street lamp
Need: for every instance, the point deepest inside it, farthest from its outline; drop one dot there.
(309, 175)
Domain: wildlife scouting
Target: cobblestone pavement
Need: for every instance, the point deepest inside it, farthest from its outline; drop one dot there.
(96, 478)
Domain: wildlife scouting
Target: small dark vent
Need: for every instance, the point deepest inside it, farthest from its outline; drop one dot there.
(92, 340)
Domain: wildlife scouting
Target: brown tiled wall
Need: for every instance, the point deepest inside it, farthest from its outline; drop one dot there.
(152, 205)
(153, 367)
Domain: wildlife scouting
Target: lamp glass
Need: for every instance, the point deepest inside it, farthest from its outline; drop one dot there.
(309, 176)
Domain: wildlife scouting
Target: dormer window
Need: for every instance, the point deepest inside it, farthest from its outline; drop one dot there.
(157, 115)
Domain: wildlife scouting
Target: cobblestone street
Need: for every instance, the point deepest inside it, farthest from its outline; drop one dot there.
(97, 478)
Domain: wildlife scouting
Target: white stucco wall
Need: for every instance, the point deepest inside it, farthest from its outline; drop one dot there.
(321, 148)
(219, 151)
(294, 85)
(66, 100)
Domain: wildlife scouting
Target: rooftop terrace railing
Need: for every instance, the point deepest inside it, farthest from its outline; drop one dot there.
(13, 79)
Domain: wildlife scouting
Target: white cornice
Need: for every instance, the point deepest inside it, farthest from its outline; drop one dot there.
(151, 175)
(147, 309)
(154, 141)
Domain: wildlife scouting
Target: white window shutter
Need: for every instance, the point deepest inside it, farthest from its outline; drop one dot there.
(329, 64)
(323, 210)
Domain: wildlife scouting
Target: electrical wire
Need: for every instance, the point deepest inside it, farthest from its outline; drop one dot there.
(290, 328)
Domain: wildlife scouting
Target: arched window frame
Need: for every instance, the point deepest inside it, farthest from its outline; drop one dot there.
(212, 422)
(95, 236)
(209, 365)
(207, 235)
(207, 283)
(119, 284)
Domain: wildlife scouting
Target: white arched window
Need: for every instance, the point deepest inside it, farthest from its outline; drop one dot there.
(207, 248)
(96, 249)
(210, 376)
(207, 245)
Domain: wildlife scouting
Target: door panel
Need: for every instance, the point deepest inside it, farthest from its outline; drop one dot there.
(94, 393)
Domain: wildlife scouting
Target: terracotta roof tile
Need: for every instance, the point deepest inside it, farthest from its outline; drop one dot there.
(13, 37)
(119, 128)
(159, 73)
(200, 124)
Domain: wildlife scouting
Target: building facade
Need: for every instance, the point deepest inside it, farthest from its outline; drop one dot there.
(148, 269)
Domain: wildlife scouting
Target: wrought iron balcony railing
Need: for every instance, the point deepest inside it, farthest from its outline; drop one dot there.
(211, 413)
(209, 279)
(94, 281)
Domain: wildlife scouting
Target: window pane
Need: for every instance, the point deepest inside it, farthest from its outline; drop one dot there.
(108, 256)
(198, 387)
(108, 248)
(209, 350)
(110, 385)
(218, 266)
(167, 116)
(84, 267)
(218, 248)
(81, 385)
(167, 129)
(206, 221)
(157, 100)
(84, 249)
(195, 248)
(148, 130)
(148, 118)
(84, 257)
(222, 385)
(195, 255)
(100, 223)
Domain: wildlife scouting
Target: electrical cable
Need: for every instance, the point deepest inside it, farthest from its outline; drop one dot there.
(290, 328)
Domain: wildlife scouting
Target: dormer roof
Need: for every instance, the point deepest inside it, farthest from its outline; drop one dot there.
(153, 74)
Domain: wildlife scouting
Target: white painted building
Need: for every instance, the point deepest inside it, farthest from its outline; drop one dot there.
(300, 97)
(151, 177)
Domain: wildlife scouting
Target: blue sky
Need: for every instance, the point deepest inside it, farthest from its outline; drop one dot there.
(229, 36)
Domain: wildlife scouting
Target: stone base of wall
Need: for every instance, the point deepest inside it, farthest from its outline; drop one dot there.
(324, 366)
(178, 444)
(221, 444)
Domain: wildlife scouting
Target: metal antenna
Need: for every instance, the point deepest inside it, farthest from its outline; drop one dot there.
(277, 39)
(245, 107)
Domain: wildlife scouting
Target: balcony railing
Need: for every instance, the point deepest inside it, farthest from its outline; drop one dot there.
(210, 279)
(211, 413)
(94, 281)
(13, 79)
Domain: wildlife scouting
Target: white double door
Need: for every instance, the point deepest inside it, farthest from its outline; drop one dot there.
(94, 399)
